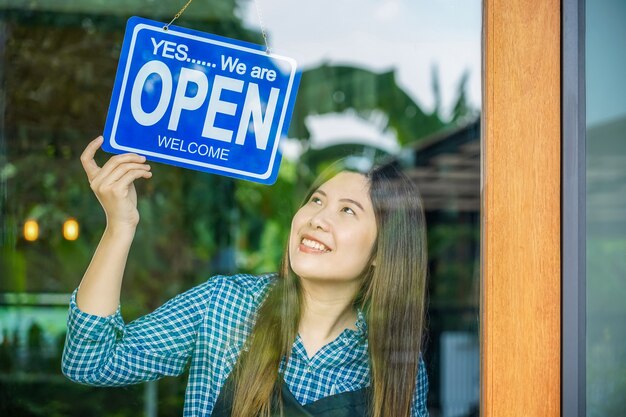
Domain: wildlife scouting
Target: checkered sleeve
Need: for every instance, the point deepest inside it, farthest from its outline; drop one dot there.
(418, 407)
(106, 351)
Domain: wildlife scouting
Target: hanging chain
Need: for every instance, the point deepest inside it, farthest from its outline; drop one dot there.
(258, 12)
(177, 15)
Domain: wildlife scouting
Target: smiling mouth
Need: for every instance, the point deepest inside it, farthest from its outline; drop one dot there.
(312, 244)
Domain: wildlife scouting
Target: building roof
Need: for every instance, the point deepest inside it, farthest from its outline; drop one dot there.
(446, 168)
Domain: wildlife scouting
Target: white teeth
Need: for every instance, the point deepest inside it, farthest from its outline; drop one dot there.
(314, 245)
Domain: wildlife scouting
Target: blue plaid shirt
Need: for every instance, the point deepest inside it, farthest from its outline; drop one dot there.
(205, 328)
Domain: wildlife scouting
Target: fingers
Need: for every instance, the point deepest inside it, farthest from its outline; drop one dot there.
(130, 176)
(116, 163)
(122, 169)
(119, 190)
(113, 183)
(86, 158)
(118, 177)
(95, 173)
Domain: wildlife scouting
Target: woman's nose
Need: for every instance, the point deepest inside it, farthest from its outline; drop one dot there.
(319, 221)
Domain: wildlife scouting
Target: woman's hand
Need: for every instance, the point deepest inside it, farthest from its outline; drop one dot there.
(113, 184)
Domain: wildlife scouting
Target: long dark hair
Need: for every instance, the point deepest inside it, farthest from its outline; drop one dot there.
(391, 294)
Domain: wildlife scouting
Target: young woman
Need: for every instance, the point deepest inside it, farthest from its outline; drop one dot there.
(337, 332)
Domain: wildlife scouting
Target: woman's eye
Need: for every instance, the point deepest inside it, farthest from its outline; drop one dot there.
(316, 200)
(348, 210)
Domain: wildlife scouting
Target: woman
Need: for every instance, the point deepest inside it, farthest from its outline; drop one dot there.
(336, 333)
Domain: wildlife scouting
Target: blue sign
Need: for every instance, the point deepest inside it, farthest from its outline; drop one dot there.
(200, 101)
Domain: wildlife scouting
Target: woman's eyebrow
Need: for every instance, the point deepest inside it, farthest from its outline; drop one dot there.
(349, 200)
(356, 203)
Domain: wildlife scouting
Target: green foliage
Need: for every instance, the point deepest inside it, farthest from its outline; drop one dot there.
(453, 251)
(59, 81)
(161, 10)
(334, 89)
(462, 111)
(265, 219)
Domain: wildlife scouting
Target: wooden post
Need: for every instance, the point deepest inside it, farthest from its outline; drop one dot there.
(521, 274)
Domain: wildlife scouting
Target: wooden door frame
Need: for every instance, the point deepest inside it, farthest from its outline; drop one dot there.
(521, 206)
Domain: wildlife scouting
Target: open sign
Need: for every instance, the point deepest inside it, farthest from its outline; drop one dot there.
(200, 101)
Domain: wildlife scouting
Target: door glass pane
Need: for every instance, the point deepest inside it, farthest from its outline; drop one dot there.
(606, 207)
(383, 80)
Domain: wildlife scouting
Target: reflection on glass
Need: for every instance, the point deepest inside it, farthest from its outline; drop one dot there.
(606, 208)
(447, 171)
(397, 80)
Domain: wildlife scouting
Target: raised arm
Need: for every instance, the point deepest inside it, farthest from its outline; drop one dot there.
(113, 185)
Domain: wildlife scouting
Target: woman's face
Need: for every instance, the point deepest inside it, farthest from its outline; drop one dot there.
(333, 234)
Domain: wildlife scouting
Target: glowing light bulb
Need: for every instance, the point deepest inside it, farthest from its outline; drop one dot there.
(31, 230)
(70, 229)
